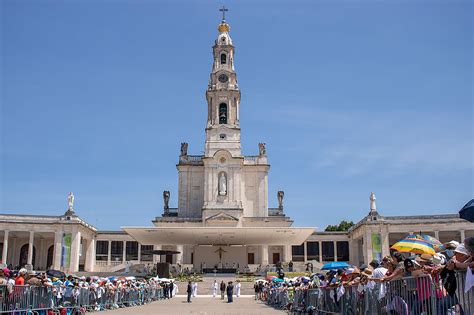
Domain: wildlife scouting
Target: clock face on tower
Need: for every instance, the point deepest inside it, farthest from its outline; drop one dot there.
(223, 78)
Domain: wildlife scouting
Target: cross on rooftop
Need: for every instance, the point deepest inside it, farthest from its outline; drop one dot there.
(223, 10)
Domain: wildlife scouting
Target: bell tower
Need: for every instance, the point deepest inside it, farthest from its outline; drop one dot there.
(223, 97)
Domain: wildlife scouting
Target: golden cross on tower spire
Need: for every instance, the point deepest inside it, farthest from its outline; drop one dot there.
(223, 10)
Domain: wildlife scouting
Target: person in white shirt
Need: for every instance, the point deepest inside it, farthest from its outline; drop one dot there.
(237, 288)
(379, 271)
(195, 289)
(215, 287)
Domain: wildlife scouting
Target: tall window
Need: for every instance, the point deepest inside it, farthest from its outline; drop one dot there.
(313, 250)
(297, 252)
(223, 59)
(101, 250)
(131, 251)
(343, 251)
(328, 251)
(222, 113)
(116, 251)
(145, 253)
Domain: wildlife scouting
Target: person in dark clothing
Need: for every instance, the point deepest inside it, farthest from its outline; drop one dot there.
(170, 289)
(222, 289)
(189, 291)
(256, 288)
(166, 291)
(230, 292)
(260, 290)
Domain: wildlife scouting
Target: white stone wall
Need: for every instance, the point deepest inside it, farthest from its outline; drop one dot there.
(255, 191)
(190, 190)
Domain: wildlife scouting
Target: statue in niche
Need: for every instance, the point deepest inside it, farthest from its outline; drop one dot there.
(261, 149)
(184, 149)
(166, 199)
(222, 184)
(280, 195)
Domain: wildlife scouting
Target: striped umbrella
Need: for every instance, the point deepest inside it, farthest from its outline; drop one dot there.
(411, 245)
(437, 245)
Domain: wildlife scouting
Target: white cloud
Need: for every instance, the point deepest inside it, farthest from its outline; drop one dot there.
(357, 142)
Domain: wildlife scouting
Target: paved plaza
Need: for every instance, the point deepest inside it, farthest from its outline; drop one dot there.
(201, 305)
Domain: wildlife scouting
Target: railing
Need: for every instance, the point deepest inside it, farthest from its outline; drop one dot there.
(410, 295)
(170, 212)
(252, 158)
(29, 299)
(275, 212)
(191, 159)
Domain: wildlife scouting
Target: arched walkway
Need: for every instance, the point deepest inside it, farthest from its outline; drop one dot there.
(24, 255)
(49, 260)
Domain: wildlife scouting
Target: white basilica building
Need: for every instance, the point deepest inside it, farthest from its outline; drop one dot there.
(222, 220)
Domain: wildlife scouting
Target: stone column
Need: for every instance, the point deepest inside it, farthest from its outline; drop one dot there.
(124, 252)
(5, 247)
(385, 238)
(139, 252)
(75, 250)
(30, 248)
(264, 249)
(320, 251)
(335, 250)
(368, 247)
(157, 258)
(58, 242)
(436, 233)
(109, 254)
(463, 236)
(287, 253)
(179, 257)
(90, 255)
(352, 250)
(305, 251)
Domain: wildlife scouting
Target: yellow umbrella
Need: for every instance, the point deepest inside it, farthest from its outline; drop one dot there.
(410, 245)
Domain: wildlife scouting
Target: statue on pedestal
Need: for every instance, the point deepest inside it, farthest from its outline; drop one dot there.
(166, 199)
(262, 151)
(373, 207)
(184, 149)
(70, 203)
(280, 195)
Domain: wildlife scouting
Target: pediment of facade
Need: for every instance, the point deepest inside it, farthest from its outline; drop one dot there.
(222, 218)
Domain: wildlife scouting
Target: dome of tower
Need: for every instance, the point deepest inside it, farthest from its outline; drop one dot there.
(223, 27)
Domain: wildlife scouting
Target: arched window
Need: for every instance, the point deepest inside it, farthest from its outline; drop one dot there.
(223, 113)
(24, 255)
(223, 59)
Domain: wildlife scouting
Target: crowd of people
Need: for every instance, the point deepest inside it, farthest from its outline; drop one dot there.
(422, 281)
(92, 293)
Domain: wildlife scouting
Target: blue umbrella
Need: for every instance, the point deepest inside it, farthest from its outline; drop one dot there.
(277, 280)
(467, 212)
(335, 265)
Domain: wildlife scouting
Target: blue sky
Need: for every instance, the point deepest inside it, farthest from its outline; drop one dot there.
(350, 97)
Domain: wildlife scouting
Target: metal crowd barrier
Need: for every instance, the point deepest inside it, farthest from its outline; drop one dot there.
(277, 297)
(28, 299)
(410, 295)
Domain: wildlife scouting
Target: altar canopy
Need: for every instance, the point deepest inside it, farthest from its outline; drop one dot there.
(219, 235)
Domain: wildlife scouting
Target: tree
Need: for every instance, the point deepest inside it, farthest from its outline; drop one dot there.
(343, 226)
